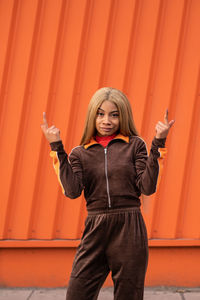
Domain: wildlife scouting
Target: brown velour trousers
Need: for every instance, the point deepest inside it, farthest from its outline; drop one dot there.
(113, 240)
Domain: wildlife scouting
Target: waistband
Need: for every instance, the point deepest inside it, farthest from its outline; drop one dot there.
(113, 211)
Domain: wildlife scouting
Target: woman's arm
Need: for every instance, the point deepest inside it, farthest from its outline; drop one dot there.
(69, 172)
(148, 167)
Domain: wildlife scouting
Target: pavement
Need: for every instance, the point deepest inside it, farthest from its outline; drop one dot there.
(155, 293)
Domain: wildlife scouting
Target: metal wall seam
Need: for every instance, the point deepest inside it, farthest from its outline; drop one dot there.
(181, 25)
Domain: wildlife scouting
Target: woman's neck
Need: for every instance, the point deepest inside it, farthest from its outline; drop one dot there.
(104, 140)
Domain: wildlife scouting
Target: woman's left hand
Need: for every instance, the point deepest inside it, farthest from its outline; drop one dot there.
(162, 128)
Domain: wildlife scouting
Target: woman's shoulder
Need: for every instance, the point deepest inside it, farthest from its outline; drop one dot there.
(76, 151)
(137, 140)
(138, 145)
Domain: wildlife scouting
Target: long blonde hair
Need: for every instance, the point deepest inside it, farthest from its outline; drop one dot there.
(126, 127)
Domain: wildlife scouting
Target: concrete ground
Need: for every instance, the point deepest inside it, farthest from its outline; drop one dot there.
(156, 293)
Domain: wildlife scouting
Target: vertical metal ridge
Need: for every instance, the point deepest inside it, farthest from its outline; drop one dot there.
(35, 204)
(108, 42)
(132, 45)
(58, 217)
(64, 11)
(5, 78)
(179, 54)
(150, 85)
(176, 80)
(56, 59)
(188, 163)
(32, 232)
(8, 58)
(154, 64)
(34, 53)
(80, 68)
(22, 129)
(174, 91)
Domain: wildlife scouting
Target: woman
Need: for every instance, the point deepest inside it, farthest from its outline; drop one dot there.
(111, 165)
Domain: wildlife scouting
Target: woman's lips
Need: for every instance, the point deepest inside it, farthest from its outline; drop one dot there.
(106, 129)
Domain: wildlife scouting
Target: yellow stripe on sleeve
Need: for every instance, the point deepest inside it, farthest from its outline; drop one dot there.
(163, 152)
(56, 165)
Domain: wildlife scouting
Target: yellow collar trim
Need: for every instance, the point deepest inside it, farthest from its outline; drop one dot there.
(118, 137)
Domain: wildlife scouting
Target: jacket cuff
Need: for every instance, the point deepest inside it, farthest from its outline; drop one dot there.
(57, 146)
(158, 143)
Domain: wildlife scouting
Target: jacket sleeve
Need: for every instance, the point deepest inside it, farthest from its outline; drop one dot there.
(68, 171)
(148, 167)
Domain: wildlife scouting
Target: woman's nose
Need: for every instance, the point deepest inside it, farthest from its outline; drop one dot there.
(106, 119)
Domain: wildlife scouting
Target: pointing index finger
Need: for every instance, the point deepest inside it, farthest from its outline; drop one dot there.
(45, 120)
(166, 117)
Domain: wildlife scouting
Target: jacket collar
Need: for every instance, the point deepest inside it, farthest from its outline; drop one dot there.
(118, 137)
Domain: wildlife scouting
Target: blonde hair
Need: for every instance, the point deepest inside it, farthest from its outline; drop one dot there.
(126, 122)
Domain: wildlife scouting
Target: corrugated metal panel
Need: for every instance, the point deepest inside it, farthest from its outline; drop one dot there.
(54, 55)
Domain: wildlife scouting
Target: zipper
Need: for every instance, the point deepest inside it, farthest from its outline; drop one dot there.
(107, 183)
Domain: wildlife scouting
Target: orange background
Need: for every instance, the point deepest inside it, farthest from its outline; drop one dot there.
(53, 57)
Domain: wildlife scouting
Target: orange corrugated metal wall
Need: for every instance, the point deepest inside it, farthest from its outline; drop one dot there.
(53, 57)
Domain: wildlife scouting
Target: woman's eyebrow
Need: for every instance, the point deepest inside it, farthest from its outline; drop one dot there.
(110, 112)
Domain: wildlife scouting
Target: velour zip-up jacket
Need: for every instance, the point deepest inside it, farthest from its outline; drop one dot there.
(111, 177)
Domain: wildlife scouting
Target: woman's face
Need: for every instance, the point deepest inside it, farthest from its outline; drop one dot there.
(107, 119)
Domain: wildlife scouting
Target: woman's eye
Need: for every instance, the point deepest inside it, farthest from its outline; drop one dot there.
(115, 115)
(100, 114)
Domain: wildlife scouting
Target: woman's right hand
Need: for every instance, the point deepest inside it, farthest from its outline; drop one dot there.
(52, 133)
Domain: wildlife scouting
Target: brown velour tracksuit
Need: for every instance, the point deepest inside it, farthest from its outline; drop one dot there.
(115, 237)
